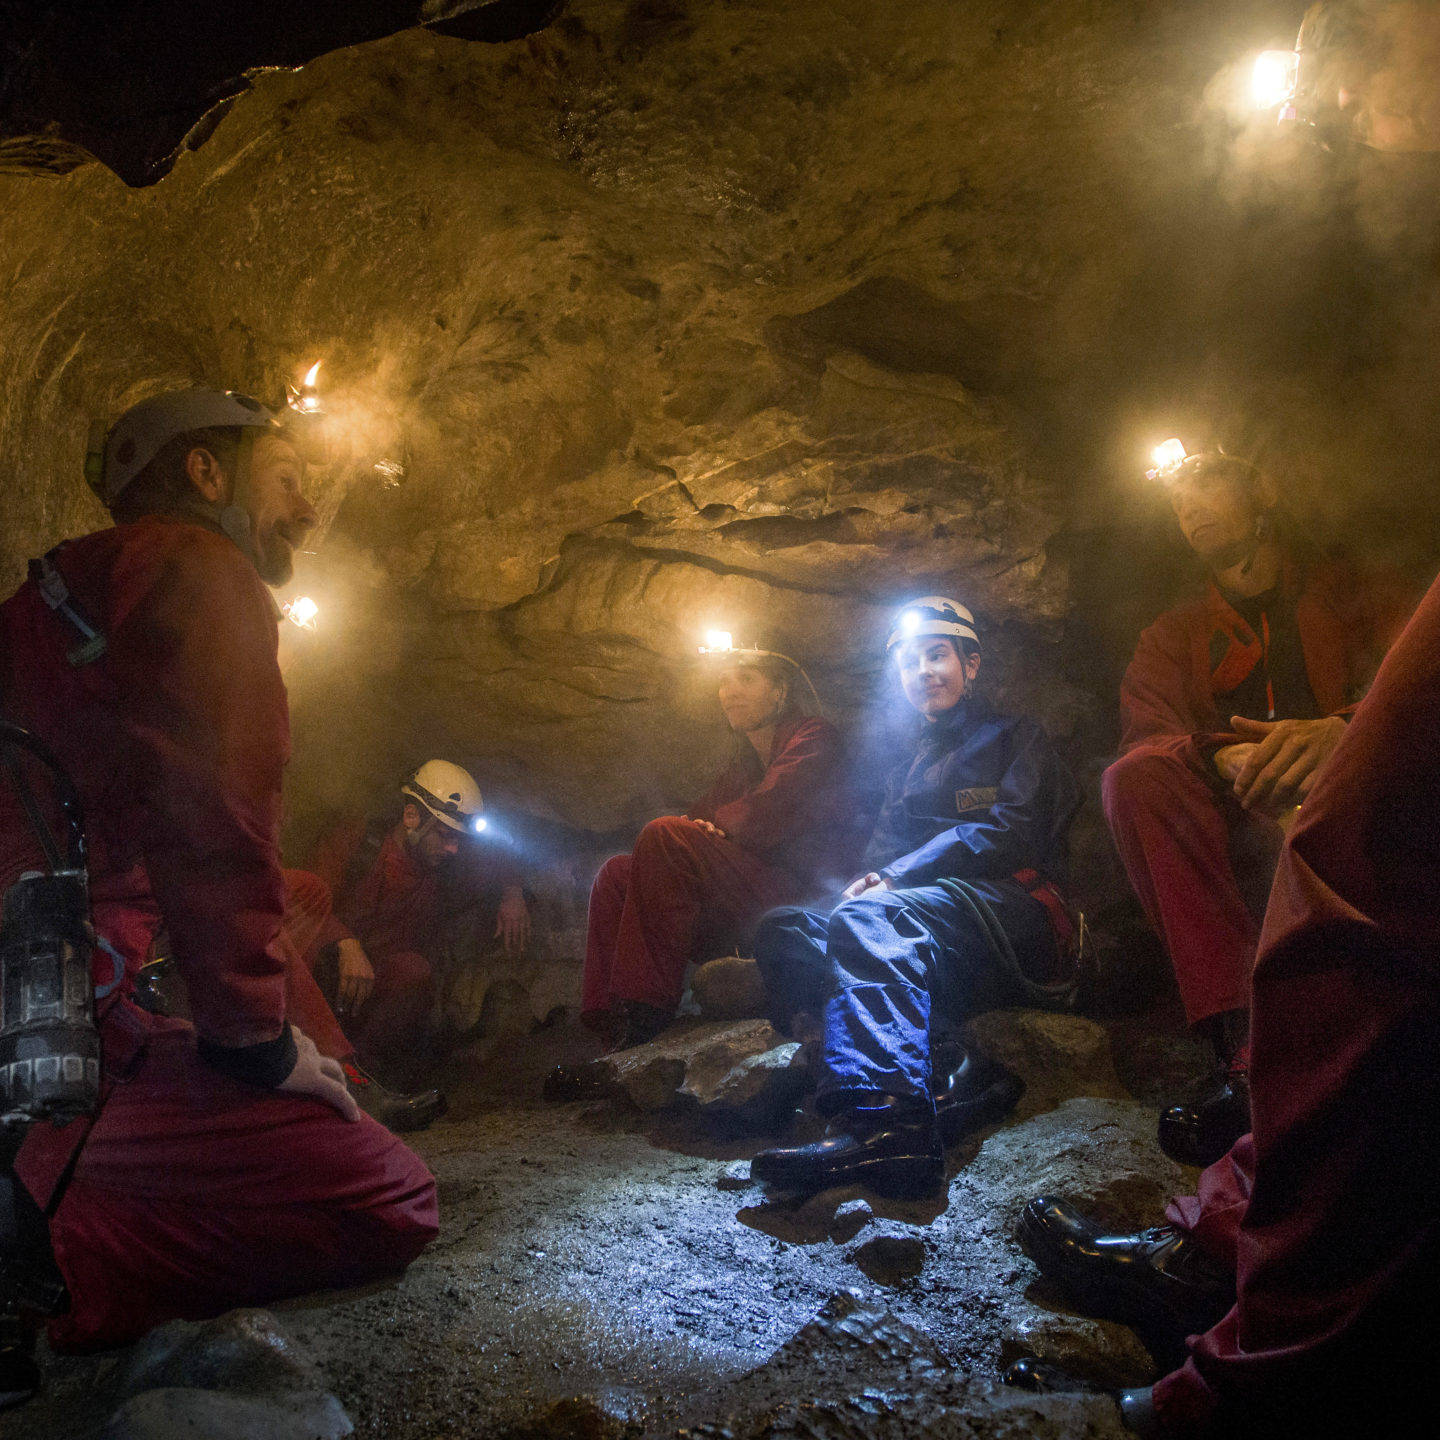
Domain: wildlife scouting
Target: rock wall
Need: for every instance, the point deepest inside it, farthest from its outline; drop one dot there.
(691, 313)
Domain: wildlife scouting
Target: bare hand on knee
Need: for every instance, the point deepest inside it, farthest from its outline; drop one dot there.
(512, 923)
(1286, 759)
(318, 1076)
(710, 829)
(357, 975)
(865, 885)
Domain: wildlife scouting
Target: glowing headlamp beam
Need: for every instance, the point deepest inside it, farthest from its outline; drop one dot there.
(478, 824)
(1165, 457)
(301, 611)
(306, 400)
(1274, 78)
(717, 642)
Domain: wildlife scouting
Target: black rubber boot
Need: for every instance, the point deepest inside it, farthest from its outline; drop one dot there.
(576, 1082)
(974, 1093)
(19, 1374)
(891, 1148)
(1158, 1281)
(642, 1023)
(1201, 1133)
(402, 1113)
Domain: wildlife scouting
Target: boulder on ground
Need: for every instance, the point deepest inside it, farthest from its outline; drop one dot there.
(1099, 1351)
(1056, 1055)
(744, 1070)
(729, 988)
(1100, 1154)
(237, 1377)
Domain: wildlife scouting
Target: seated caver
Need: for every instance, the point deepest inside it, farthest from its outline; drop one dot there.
(957, 911)
(308, 911)
(1304, 1268)
(772, 829)
(227, 1163)
(1230, 707)
(401, 886)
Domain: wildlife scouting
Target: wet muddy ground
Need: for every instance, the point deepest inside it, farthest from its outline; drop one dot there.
(590, 1251)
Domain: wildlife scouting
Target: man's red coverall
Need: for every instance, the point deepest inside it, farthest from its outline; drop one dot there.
(193, 1192)
(786, 836)
(397, 910)
(1171, 816)
(1330, 1212)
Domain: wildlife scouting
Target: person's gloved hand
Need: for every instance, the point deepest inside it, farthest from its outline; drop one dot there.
(1287, 757)
(357, 976)
(856, 889)
(318, 1076)
(512, 924)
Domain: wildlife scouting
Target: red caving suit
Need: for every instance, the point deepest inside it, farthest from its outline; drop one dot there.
(1329, 1212)
(1171, 815)
(398, 911)
(786, 836)
(193, 1192)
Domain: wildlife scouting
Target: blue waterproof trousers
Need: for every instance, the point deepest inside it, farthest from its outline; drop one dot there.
(879, 968)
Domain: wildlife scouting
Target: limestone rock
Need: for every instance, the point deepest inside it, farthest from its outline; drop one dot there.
(892, 1256)
(1056, 1055)
(1099, 1153)
(849, 1219)
(238, 1377)
(240, 1350)
(729, 988)
(1100, 1351)
(741, 1068)
(610, 1413)
(218, 1415)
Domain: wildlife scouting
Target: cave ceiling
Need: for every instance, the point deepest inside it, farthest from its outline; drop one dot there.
(678, 313)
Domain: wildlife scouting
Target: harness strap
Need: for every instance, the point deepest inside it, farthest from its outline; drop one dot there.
(56, 594)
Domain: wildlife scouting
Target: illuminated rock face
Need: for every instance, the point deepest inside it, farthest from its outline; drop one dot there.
(681, 315)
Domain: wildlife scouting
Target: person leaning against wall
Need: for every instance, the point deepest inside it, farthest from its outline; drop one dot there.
(774, 827)
(957, 910)
(1230, 707)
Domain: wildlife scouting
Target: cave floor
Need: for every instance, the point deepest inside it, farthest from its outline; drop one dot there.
(583, 1248)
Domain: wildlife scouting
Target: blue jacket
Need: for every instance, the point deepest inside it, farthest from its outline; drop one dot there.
(984, 795)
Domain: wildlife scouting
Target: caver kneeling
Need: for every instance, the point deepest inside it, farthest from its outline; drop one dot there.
(227, 1164)
(957, 912)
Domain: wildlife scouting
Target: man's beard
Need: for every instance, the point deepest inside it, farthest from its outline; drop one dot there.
(275, 559)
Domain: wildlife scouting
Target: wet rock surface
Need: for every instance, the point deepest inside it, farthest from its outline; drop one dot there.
(239, 1377)
(741, 1072)
(587, 1251)
(729, 988)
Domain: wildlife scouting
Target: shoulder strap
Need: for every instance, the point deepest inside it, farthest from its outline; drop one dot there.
(56, 594)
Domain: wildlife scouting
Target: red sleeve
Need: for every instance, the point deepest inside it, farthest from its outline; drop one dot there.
(334, 853)
(205, 737)
(795, 792)
(1158, 706)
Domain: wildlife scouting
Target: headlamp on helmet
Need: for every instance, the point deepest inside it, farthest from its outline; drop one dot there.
(932, 615)
(448, 793)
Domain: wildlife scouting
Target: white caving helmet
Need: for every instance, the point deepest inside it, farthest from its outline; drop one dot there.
(449, 793)
(932, 615)
(116, 456)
